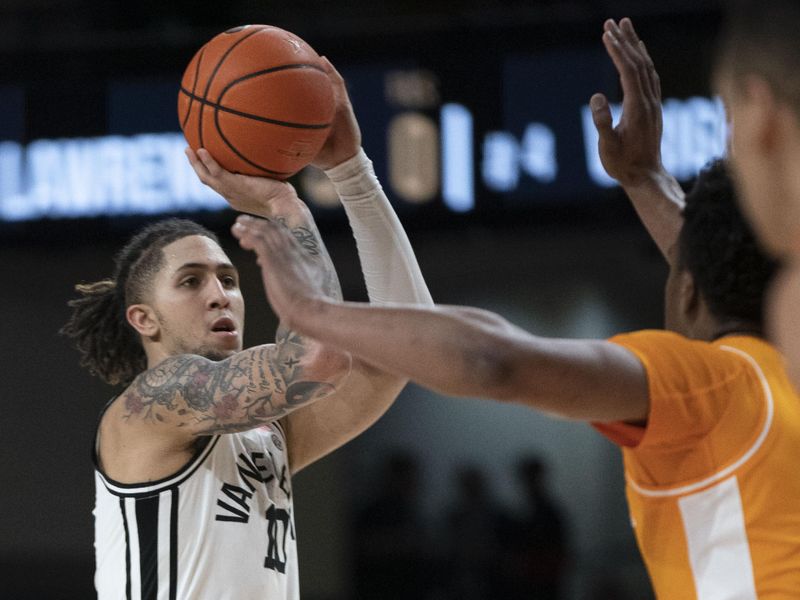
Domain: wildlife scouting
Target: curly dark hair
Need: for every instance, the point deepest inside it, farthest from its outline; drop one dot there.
(761, 37)
(719, 249)
(109, 347)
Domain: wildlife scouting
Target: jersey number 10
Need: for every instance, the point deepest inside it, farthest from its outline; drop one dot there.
(277, 529)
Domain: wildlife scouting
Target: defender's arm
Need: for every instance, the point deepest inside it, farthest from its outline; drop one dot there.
(458, 351)
(631, 151)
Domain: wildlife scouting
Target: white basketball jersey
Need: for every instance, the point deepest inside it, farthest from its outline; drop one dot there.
(221, 528)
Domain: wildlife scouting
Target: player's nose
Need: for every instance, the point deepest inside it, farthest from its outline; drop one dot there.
(217, 294)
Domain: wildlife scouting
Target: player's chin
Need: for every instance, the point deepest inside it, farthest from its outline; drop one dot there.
(220, 350)
(218, 355)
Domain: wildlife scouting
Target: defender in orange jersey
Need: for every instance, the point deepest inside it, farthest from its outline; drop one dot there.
(705, 414)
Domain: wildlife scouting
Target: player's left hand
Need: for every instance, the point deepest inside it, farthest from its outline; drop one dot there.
(631, 151)
(344, 139)
(260, 196)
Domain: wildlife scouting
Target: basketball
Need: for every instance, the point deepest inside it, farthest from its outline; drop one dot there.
(258, 99)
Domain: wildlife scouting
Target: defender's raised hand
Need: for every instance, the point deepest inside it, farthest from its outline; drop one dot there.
(631, 151)
(292, 277)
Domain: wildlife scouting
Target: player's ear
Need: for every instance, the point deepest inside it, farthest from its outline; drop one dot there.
(143, 319)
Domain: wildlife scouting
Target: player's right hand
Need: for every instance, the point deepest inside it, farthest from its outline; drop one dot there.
(631, 151)
(261, 196)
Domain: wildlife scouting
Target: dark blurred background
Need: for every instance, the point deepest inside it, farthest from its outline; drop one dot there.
(474, 114)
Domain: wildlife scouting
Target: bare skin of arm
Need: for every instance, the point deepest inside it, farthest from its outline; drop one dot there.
(458, 351)
(319, 428)
(631, 151)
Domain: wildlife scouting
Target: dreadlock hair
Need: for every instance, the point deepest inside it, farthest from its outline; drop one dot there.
(720, 251)
(109, 347)
(761, 37)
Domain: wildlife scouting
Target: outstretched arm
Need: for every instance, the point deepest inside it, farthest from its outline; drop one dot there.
(631, 151)
(458, 351)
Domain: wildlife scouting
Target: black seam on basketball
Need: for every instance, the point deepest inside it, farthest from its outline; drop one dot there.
(194, 86)
(287, 67)
(239, 113)
(268, 72)
(239, 154)
(214, 74)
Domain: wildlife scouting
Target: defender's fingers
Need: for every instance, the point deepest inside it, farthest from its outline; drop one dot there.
(243, 231)
(636, 83)
(636, 51)
(601, 115)
(631, 84)
(626, 25)
(268, 232)
(249, 225)
(655, 80)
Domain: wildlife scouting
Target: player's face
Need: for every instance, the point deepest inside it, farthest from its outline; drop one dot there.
(761, 188)
(197, 300)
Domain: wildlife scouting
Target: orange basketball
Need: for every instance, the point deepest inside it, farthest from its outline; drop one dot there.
(258, 99)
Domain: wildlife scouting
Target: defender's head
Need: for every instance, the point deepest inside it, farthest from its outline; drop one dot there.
(718, 275)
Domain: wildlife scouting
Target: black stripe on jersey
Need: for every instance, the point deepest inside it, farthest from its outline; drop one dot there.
(127, 550)
(147, 526)
(173, 546)
(146, 490)
(280, 428)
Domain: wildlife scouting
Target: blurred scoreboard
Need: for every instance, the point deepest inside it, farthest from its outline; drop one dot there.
(503, 142)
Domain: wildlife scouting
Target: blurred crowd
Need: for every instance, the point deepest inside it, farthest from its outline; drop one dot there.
(477, 549)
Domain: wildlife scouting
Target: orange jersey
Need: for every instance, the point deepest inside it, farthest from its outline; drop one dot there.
(712, 479)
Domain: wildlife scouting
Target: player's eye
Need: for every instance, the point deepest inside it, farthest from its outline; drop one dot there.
(189, 282)
(228, 281)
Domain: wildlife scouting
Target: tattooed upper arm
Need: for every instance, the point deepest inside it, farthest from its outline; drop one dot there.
(199, 396)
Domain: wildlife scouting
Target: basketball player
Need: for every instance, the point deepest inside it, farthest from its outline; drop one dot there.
(194, 458)
(708, 422)
(757, 76)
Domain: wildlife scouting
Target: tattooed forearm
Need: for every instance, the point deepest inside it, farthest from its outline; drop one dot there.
(197, 381)
(290, 348)
(249, 389)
